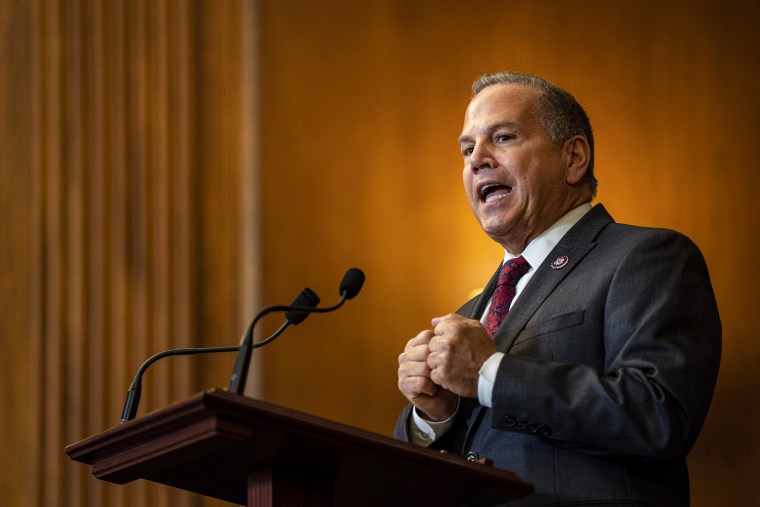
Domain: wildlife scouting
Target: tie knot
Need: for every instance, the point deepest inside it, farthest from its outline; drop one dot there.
(513, 270)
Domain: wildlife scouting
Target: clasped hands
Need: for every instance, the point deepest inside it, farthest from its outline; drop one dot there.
(439, 365)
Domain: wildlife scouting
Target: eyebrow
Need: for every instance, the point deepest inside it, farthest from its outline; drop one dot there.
(491, 128)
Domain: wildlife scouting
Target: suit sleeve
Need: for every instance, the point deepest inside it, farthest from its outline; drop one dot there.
(661, 338)
(451, 441)
(402, 431)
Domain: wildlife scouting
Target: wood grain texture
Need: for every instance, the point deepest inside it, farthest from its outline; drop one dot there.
(122, 157)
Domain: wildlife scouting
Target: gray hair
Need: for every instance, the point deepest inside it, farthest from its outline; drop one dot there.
(558, 112)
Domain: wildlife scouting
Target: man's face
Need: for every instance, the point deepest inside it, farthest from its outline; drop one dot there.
(514, 176)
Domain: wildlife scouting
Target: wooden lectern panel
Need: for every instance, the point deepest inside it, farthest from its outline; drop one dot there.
(250, 452)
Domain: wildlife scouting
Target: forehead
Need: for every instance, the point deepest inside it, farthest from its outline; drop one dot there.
(499, 103)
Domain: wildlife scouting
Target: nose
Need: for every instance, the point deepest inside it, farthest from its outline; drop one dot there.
(481, 158)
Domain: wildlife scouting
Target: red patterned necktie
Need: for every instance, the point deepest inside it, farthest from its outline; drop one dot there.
(510, 274)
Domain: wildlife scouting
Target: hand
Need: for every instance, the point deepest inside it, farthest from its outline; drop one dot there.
(433, 402)
(457, 350)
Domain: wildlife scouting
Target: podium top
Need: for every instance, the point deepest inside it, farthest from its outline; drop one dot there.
(211, 442)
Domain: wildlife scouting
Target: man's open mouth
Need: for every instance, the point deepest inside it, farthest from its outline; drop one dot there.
(492, 192)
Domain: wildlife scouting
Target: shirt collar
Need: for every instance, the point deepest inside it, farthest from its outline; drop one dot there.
(541, 245)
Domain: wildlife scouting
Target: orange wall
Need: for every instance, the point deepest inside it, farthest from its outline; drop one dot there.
(360, 112)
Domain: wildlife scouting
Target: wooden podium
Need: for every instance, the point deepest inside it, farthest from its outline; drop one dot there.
(254, 453)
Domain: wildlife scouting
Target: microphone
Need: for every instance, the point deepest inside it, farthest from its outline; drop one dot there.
(308, 298)
(349, 287)
(352, 283)
(301, 307)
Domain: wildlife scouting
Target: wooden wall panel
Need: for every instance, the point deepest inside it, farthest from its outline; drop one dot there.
(18, 148)
(361, 109)
(126, 140)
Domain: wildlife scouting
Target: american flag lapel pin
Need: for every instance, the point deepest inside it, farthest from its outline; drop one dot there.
(560, 262)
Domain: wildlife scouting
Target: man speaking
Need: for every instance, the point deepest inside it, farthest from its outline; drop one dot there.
(588, 363)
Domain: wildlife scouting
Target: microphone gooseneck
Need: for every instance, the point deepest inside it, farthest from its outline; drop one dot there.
(296, 313)
(304, 305)
(135, 389)
(349, 287)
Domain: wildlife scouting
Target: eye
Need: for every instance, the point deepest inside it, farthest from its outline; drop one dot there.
(467, 150)
(503, 138)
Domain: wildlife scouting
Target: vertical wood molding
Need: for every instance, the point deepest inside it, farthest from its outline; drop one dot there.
(250, 217)
(53, 262)
(20, 382)
(133, 167)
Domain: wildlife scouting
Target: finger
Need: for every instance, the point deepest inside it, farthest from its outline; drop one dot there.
(414, 369)
(445, 318)
(439, 344)
(437, 377)
(418, 353)
(422, 338)
(450, 324)
(436, 360)
(417, 386)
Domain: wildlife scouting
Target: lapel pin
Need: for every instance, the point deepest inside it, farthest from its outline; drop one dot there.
(560, 262)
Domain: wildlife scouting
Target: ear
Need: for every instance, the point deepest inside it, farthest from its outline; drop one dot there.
(578, 155)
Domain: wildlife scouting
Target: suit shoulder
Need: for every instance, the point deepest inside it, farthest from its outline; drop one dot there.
(629, 236)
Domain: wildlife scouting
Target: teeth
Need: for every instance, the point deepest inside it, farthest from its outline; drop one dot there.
(491, 192)
(494, 197)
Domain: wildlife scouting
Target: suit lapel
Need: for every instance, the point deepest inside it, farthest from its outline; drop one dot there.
(475, 412)
(484, 298)
(578, 241)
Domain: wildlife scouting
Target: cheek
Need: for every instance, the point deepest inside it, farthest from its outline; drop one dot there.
(467, 181)
(536, 179)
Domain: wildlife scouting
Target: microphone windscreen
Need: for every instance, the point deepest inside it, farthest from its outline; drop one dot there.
(307, 297)
(352, 283)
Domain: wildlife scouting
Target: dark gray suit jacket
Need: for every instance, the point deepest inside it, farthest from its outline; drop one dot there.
(610, 368)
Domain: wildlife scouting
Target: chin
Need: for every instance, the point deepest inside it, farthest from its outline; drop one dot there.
(494, 231)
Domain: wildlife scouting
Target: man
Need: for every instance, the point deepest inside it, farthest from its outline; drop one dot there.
(595, 384)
